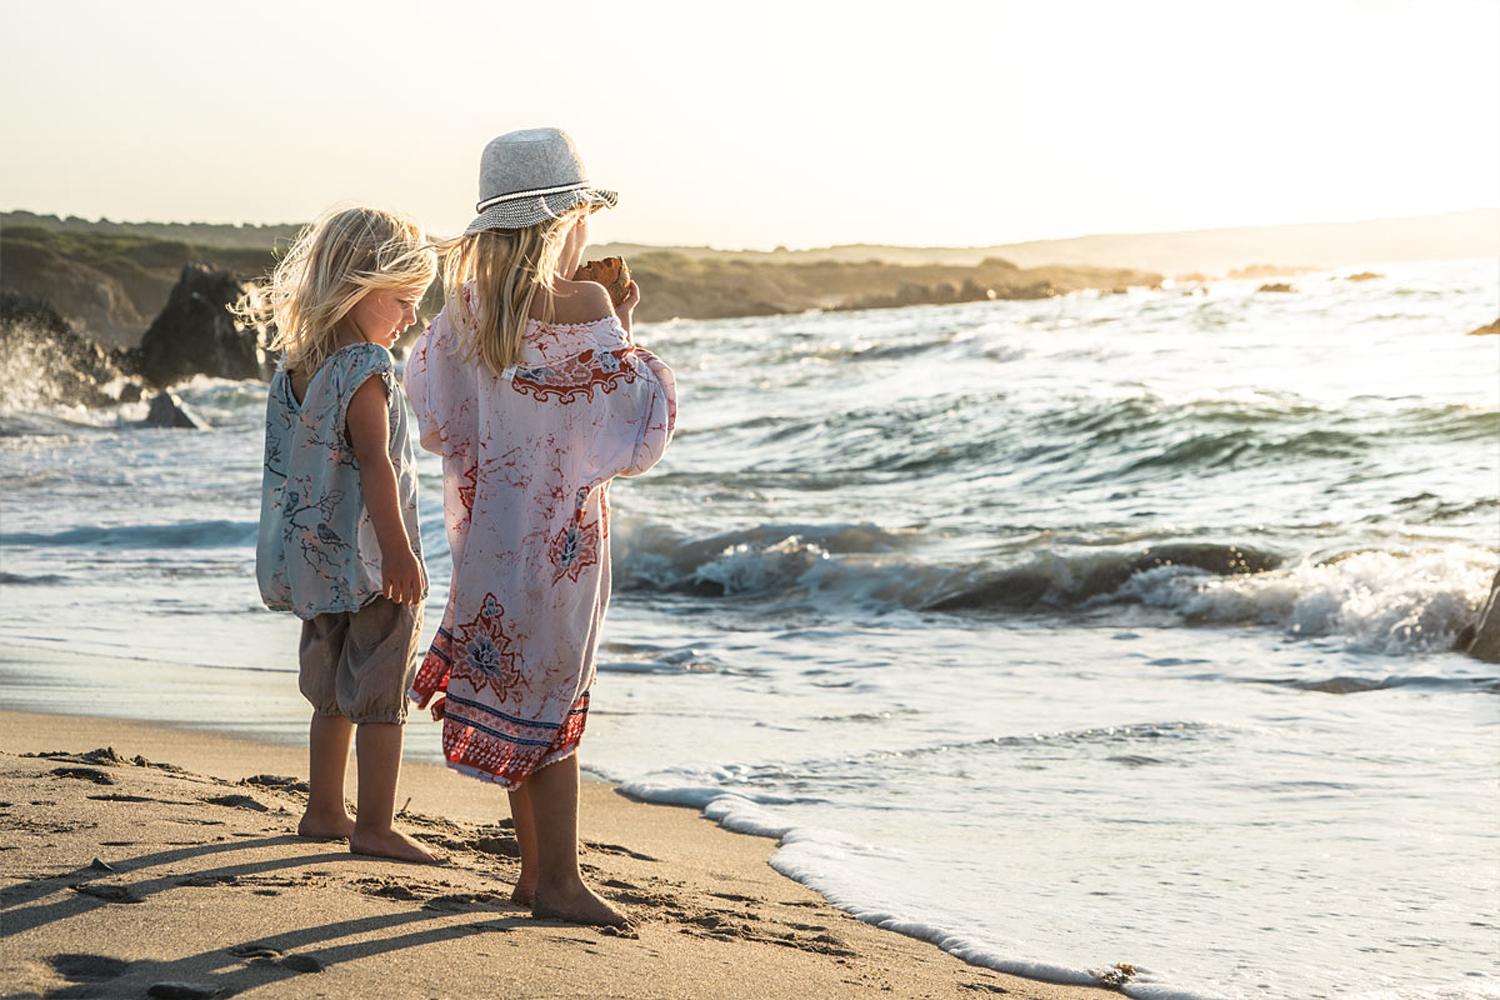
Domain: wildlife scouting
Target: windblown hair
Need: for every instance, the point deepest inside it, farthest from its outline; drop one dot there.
(508, 269)
(332, 264)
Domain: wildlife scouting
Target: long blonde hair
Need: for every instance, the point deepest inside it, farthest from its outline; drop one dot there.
(508, 268)
(332, 264)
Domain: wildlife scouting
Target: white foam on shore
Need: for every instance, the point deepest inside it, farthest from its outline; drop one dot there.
(834, 866)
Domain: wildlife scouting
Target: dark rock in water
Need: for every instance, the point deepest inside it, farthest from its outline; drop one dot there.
(131, 393)
(169, 411)
(46, 360)
(1276, 286)
(196, 333)
(1491, 330)
(1481, 640)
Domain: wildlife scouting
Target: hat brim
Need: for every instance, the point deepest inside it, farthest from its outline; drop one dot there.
(518, 213)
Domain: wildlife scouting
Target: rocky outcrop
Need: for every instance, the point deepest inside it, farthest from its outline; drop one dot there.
(1363, 276)
(45, 361)
(1276, 286)
(1481, 639)
(1491, 330)
(196, 333)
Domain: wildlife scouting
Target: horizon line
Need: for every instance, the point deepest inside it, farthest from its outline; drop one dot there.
(782, 248)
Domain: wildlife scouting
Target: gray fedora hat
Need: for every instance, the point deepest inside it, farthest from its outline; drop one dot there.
(531, 176)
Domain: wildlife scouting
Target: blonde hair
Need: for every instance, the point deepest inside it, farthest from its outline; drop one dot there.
(332, 264)
(508, 268)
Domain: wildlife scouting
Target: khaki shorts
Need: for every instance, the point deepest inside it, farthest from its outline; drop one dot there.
(359, 664)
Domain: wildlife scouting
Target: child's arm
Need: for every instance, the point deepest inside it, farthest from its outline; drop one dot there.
(369, 433)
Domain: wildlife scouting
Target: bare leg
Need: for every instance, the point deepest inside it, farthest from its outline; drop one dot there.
(328, 760)
(525, 828)
(560, 892)
(378, 753)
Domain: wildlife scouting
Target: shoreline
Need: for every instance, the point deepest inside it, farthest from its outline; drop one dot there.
(230, 899)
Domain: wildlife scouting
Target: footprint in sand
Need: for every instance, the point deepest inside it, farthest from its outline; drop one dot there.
(505, 847)
(107, 892)
(618, 849)
(93, 774)
(458, 901)
(238, 802)
(122, 797)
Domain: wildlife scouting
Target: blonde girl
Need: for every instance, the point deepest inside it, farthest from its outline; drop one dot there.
(530, 387)
(338, 531)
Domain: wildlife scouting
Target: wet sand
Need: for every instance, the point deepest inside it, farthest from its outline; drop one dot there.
(136, 855)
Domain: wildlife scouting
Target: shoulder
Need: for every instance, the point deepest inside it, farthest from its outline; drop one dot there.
(351, 366)
(581, 302)
(371, 357)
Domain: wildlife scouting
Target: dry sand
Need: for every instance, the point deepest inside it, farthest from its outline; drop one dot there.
(171, 859)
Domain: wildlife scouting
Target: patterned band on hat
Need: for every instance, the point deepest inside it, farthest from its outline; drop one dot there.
(529, 194)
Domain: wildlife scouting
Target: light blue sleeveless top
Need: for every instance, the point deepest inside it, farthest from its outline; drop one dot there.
(317, 551)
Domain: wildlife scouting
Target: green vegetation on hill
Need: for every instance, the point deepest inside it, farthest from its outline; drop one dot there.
(110, 284)
(208, 234)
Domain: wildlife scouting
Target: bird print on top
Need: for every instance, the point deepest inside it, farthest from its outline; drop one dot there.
(317, 552)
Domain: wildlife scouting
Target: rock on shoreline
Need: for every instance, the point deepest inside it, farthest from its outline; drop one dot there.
(197, 334)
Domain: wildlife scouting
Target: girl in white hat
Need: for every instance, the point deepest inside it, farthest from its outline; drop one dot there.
(530, 387)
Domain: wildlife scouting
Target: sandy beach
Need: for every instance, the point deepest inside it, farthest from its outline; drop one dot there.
(138, 855)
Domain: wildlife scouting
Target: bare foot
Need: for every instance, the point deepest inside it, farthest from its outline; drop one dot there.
(390, 843)
(523, 893)
(576, 905)
(321, 827)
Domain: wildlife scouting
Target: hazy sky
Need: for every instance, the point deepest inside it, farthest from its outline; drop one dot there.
(755, 124)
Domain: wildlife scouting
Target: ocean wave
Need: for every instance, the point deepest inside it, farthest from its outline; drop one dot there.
(1375, 601)
(185, 535)
(39, 580)
(644, 658)
(222, 401)
(1071, 580)
(1360, 685)
(1378, 602)
(60, 421)
(1082, 439)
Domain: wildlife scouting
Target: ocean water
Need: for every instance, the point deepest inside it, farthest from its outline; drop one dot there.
(1093, 638)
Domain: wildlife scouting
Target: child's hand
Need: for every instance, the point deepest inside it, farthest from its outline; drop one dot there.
(403, 577)
(628, 303)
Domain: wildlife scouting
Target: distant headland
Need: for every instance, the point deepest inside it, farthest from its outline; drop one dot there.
(111, 278)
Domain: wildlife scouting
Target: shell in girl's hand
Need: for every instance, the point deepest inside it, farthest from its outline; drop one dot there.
(610, 272)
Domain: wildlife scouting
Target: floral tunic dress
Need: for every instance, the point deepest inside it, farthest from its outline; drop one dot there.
(528, 455)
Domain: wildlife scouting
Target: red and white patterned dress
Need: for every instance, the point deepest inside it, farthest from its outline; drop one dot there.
(528, 455)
